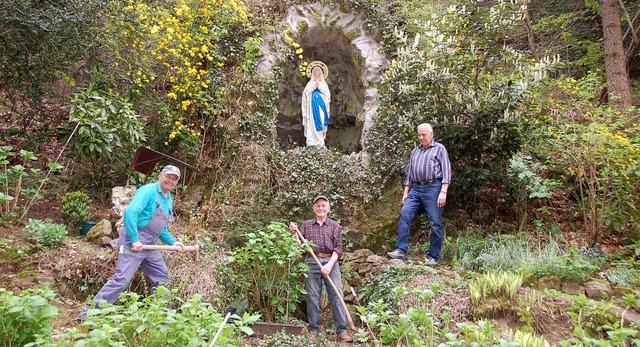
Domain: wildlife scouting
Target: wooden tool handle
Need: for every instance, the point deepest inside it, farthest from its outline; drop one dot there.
(171, 248)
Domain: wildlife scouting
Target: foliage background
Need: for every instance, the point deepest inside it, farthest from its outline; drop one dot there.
(180, 76)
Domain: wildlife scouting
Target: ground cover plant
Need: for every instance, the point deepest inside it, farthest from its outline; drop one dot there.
(26, 315)
(150, 321)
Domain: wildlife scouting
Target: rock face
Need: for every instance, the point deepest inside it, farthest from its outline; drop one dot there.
(120, 198)
(355, 61)
(361, 263)
(597, 289)
(572, 288)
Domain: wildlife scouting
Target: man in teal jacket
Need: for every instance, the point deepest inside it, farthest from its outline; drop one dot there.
(145, 221)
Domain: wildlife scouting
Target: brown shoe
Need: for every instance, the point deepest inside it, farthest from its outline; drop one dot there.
(345, 337)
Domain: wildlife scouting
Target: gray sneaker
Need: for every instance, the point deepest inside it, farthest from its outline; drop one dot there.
(397, 254)
(431, 262)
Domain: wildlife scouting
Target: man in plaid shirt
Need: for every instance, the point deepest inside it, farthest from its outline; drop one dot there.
(325, 234)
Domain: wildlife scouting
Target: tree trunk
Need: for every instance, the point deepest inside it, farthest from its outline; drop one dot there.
(530, 37)
(614, 57)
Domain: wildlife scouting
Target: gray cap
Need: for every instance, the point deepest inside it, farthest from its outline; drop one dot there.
(320, 197)
(171, 170)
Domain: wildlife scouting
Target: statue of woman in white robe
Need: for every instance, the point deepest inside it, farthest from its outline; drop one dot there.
(315, 104)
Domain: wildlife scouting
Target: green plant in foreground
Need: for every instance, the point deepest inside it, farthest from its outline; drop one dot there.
(24, 316)
(267, 271)
(416, 327)
(74, 209)
(495, 284)
(617, 337)
(589, 317)
(528, 340)
(150, 322)
(46, 234)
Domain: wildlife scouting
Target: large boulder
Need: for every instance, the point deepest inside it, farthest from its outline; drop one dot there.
(102, 229)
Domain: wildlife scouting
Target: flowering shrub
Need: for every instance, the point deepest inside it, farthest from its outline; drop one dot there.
(185, 52)
(594, 149)
(457, 74)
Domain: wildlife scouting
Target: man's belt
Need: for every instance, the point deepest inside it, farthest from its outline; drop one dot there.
(428, 181)
(324, 255)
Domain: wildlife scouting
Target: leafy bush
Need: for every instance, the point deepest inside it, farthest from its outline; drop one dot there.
(25, 316)
(40, 41)
(46, 234)
(74, 209)
(267, 271)
(107, 123)
(594, 149)
(464, 249)
(527, 184)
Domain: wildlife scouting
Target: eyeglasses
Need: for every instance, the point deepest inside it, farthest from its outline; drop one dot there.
(171, 177)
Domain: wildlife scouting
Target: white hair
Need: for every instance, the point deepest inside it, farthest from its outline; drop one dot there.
(425, 125)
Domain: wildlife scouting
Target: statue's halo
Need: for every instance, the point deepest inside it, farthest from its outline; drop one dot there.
(322, 65)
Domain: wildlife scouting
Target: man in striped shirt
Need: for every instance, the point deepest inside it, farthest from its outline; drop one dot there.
(425, 189)
(326, 237)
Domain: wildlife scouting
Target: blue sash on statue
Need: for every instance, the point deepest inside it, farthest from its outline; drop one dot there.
(317, 103)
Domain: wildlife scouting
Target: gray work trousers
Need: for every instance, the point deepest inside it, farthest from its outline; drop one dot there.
(152, 265)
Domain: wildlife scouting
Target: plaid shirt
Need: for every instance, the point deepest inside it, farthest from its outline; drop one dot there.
(326, 238)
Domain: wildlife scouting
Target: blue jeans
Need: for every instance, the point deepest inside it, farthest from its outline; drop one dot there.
(313, 285)
(422, 197)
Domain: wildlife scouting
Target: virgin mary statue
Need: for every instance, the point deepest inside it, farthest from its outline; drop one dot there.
(315, 104)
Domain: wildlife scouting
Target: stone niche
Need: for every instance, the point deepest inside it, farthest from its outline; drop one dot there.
(355, 61)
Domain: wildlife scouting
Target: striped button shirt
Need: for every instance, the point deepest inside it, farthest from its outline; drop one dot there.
(326, 238)
(428, 163)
